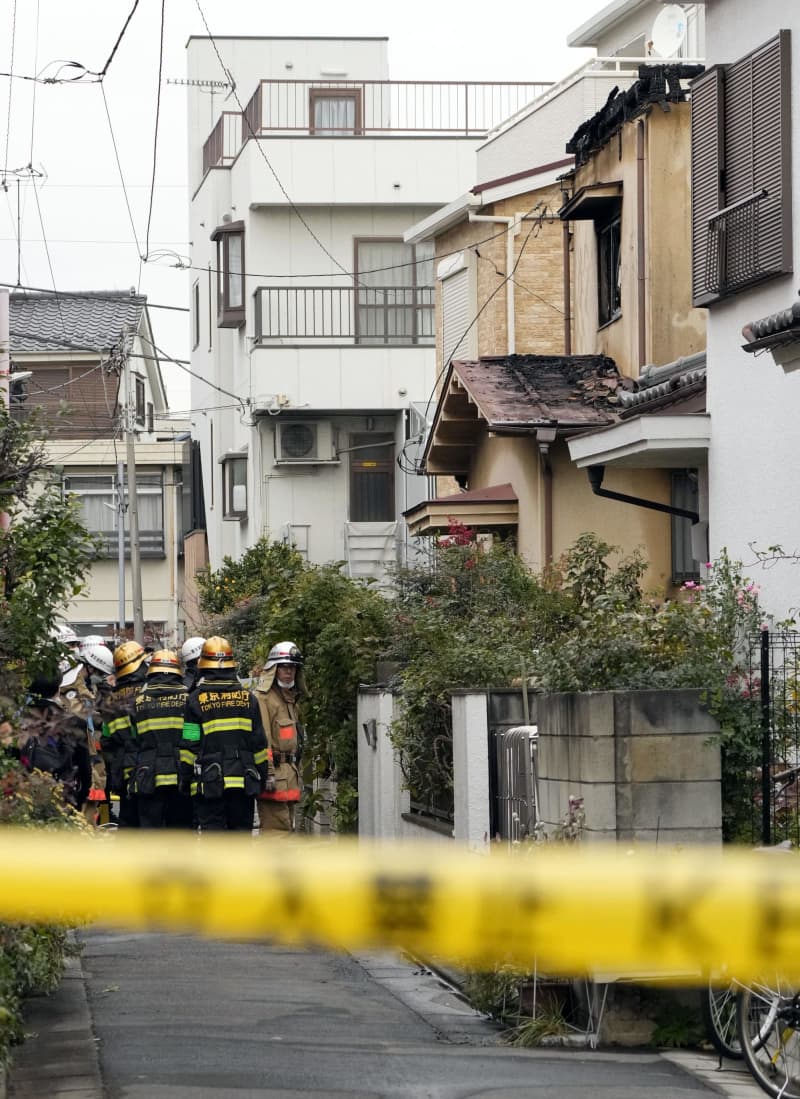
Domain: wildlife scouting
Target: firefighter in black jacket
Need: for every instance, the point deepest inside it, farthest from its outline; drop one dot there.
(223, 753)
(157, 728)
(116, 742)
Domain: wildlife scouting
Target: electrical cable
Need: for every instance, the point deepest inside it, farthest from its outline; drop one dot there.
(121, 35)
(10, 87)
(146, 255)
(90, 295)
(35, 64)
(119, 168)
(537, 224)
(47, 253)
(179, 363)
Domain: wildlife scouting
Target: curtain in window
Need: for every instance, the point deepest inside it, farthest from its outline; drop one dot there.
(395, 302)
(235, 299)
(332, 115)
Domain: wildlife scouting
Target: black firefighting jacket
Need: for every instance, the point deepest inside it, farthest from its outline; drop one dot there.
(157, 728)
(117, 744)
(224, 747)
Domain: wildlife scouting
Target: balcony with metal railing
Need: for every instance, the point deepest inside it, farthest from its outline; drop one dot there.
(369, 316)
(377, 108)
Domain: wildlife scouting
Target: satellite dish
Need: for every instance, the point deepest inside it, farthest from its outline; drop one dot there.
(669, 31)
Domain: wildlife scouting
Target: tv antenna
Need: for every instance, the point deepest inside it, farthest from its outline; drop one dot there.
(669, 31)
(210, 87)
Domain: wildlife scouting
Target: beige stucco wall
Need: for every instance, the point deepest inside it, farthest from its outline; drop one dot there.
(673, 327)
(576, 509)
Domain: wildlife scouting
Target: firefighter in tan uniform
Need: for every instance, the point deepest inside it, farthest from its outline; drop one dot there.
(278, 693)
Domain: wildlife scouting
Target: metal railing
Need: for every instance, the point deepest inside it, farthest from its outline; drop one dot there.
(392, 315)
(733, 245)
(366, 107)
(224, 142)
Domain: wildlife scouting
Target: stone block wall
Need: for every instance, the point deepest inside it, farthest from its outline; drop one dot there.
(645, 762)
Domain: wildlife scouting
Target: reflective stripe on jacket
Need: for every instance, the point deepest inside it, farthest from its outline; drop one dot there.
(281, 723)
(157, 729)
(223, 747)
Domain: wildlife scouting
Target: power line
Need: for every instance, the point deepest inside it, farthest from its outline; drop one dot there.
(10, 85)
(146, 255)
(264, 156)
(121, 35)
(90, 295)
(47, 253)
(194, 374)
(119, 166)
(35, 64)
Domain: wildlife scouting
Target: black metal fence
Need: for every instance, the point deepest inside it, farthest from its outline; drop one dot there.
(773, 691)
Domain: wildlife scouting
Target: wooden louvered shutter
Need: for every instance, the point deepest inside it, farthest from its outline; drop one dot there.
(771, 153)
(706, 130)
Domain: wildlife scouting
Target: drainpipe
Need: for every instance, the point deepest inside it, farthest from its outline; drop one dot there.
(641, 286)
(513, 229)
(545, 437)
(567, 290)
(596, 474)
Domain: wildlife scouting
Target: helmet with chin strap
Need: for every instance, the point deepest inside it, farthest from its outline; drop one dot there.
(191, 649)
(97, 655)
(285, 652)
(216, 653)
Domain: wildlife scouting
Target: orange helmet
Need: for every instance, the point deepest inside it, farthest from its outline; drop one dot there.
(164, 660)
(127, 657)
(217, 653)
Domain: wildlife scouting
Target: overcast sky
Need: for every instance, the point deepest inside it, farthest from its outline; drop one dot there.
(62, 130)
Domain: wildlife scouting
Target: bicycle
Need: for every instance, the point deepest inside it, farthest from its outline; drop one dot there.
(768, 1017)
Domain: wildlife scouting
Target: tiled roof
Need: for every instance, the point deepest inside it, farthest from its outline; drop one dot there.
(91, 321)
(775, 328)
(523, 391)
(660, 385)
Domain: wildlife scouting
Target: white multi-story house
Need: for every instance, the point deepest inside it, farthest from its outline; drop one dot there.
(745, 177)
(313, 321)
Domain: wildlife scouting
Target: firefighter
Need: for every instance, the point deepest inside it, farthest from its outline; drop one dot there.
(157, 727)
(51, 739)
(117, 742)
(223, 752)
(190, 654)
(278, 693)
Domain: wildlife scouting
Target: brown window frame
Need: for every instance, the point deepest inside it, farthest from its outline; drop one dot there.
(416, 304)
(742, 199)
(228, 509)
(229, 316)
(140, 402)
(356, 94)
(195, 314)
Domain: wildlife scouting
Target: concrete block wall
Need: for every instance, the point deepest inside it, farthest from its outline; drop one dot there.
(644, 762)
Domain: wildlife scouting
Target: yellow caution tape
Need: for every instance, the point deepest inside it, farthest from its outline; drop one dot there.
(575, 910)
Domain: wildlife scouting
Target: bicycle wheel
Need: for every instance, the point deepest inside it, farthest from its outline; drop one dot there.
(769, 1030)
(718, 1010)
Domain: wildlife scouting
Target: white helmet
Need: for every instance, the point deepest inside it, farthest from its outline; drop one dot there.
(65, 635)
(69, 674)
(191, 649)
(92, 639)
(97, 655)
(285, 652)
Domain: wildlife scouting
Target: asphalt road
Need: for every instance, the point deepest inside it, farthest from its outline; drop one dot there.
(183, 1018)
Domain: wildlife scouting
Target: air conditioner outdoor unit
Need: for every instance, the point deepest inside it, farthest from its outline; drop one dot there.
(304, 441)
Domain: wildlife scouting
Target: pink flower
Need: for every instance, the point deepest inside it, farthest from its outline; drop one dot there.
(764, 627)
(709, 564)
(689, 584)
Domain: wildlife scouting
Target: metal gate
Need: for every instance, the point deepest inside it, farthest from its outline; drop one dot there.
(773, 689)
(516, 798)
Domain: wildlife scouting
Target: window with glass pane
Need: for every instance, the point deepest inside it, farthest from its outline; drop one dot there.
(609, 302)
(335, 111)
(372, 478)
(230, 274)
(394, 292)
(97, 496)
(234, 480)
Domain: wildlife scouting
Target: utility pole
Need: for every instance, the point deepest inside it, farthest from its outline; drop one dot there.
(133, 503)
(121, 546)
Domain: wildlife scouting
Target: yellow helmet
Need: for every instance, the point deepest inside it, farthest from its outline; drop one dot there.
(164, 660)
(217, 653)
(127, 657)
